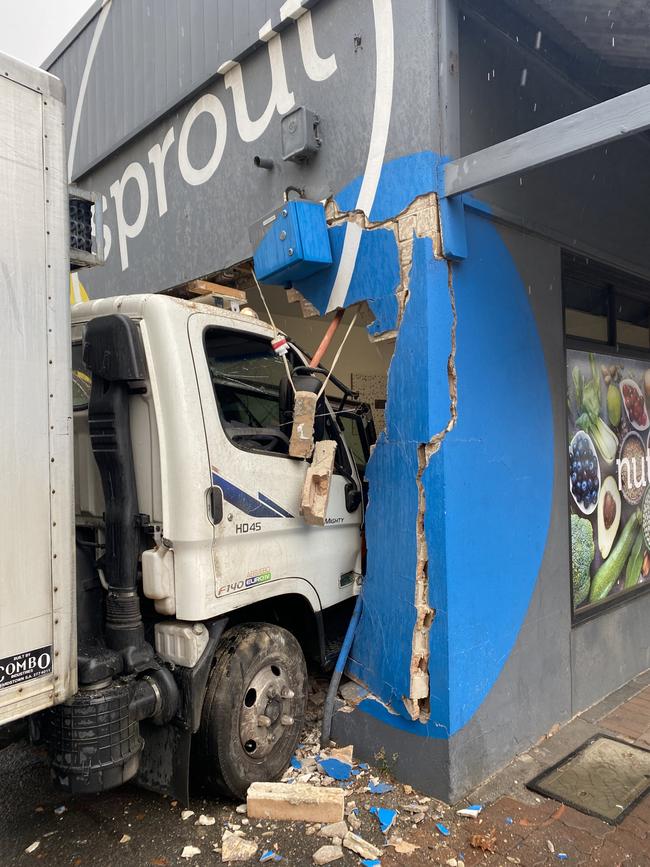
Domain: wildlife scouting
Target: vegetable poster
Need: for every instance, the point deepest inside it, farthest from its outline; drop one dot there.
(609, 476)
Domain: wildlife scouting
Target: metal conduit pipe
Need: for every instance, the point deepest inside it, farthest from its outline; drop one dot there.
(327, 339)
(328, 708)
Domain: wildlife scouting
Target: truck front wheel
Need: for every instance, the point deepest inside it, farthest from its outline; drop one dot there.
(253, 710)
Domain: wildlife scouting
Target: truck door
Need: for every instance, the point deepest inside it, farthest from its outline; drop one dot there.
(262, 546)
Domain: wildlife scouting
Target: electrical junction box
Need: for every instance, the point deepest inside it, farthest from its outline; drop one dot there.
(294, 243)
(300, 138)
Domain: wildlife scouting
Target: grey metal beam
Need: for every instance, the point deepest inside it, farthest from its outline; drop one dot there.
(608, 121)
(446, 19)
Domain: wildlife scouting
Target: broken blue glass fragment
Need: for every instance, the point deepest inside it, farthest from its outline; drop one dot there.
(379, 788)
(386, 818)
(336, 769)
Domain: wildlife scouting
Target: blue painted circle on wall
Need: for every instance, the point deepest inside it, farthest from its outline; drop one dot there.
(497, 468)
(499, 464)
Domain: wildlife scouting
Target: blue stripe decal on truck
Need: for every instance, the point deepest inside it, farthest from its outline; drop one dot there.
(246, 503)
(273, 505)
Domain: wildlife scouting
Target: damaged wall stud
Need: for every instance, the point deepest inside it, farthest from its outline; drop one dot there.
(316, 490)
(301, 444)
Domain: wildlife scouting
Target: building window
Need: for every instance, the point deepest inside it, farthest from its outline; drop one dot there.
(605, 305)
(607, 323)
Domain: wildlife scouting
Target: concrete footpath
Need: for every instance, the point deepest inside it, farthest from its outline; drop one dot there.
(519, 827)
(131, 827)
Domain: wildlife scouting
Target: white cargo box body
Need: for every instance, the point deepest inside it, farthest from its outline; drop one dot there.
(37, 599)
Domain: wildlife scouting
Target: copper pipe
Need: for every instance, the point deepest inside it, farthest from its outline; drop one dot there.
(327, 339)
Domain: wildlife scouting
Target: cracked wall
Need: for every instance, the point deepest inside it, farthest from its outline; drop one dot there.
(418, 703)
(420, 219)
(454, 549)
(401, 274)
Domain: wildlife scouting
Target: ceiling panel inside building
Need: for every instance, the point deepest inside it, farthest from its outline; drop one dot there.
(608, 39)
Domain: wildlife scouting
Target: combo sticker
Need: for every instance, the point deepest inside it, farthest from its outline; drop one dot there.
(25, 666)
(245, 583)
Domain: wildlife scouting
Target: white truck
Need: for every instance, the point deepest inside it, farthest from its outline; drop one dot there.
(159, 589)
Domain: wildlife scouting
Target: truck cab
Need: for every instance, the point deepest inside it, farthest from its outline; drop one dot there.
(223, 553)
(213, 474)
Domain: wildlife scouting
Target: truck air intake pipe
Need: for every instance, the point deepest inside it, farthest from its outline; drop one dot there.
(94, 738)
(114, 355)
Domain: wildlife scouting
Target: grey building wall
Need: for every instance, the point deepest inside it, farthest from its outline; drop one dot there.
(596, 204)
(206, 192)
(150, 57)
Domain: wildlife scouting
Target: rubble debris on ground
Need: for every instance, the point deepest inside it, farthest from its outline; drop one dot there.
(485, 842)
(336, 769)
(353, 819)
(403, 847)
(472, 811)
(360, 846)
(205, 821)
(327, 854)
(335, 829)
(300, 802)
(315, 775)
(236, 848)
(391, 825)
(345, 754)
(385, 816)
(378, 788)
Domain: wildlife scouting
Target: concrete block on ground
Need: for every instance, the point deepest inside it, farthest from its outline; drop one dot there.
(300, 802)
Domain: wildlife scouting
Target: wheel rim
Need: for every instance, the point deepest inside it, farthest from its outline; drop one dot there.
(267, 710)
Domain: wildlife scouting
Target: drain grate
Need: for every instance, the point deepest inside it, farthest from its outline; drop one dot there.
(604, 777)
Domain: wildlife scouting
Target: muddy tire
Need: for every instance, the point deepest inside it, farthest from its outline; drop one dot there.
(254, 709)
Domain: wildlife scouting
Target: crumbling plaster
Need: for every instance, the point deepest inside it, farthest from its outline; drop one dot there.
(419, 219)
